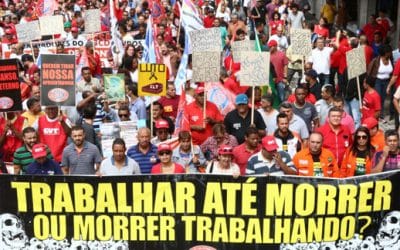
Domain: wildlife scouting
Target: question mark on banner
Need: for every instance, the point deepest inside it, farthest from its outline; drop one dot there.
(368, 219)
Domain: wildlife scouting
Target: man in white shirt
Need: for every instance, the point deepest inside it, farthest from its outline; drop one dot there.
(281, 39)
(321, 59)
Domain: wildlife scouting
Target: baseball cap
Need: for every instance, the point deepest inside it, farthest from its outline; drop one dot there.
(312, 73)
(272, 43)
(200, 89)
(241, 99)
(370, 123)
(164, 147)
(269, 143)
(225, 150)
(162, 124)
(39, 150)
(67, 24)
(74, 29)
(8, 32)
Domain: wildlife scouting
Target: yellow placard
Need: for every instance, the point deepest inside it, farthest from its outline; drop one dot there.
(152, 79)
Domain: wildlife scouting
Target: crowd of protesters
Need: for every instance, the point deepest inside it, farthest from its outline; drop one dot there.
(307, 122)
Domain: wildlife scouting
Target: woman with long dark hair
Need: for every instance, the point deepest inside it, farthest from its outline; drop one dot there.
(358, 158)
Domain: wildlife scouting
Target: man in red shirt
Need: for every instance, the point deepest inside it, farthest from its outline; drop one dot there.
(209, 19)
(198, 121)
(280, 62)
(249, 147)
(371, 104)
(53, 129)
(337, 138)
(31, 68)
(170, 102)
(369, 29)
(10, 135)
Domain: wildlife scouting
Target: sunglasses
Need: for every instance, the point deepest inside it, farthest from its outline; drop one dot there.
(364, 137)
(226, 150)
(165, 153)
(123, 115)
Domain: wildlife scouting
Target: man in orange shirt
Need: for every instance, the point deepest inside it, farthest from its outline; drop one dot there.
(376, 134)
(315, 160)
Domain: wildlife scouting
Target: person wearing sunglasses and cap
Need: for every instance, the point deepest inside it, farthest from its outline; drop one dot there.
(166, 166)
(224, 165)
(270, 161)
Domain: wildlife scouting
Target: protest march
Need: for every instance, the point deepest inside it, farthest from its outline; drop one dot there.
(199, 124)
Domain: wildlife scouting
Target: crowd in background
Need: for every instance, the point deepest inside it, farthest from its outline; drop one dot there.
(310, 121)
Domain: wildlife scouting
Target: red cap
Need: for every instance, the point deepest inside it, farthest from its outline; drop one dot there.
(272, 43)
(8, 32)
(164, 147)
(225, 150)
(39, 150)
(370, 123)
(74, 29)
(162, 124)
(200, 90)
(269, 143)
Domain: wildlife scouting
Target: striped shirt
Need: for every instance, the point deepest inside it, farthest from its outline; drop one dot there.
(81, 163)
(145, 161)
(257, 164)
(23, 157)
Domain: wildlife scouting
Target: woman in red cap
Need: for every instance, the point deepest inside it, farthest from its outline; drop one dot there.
(166, 166)
(224, 165)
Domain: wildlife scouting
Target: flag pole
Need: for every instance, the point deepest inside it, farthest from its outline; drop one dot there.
(252, 104)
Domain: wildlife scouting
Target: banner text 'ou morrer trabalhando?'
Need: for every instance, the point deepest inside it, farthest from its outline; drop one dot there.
(185, 211)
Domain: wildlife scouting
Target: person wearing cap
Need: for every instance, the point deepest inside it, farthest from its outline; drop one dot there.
(8, 37)
(166, 166)
(238, 120)
(270, 161)
(80, 157)
(42, 165)
(23, 155)
(316, 160)
(67, 30)
(144, 153)
(74, 39)
(358, 159)
(188, 155)
(337, 138)
(118, 163)
(376, 134)
(30, 69)
(249, 147)
(162, 132)
(389, 158)
(321, 59)
(224, 165)
(280, 63)
(194, 120)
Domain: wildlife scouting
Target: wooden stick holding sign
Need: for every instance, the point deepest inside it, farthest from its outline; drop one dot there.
(359, 91)
(204, 109)
(252, 104)
(151, 117)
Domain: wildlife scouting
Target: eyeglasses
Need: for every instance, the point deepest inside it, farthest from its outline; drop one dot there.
(226, 150)
(164, 153)
(364, 137)
(123, 115)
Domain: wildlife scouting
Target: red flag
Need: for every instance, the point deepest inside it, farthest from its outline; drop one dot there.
(180, 117)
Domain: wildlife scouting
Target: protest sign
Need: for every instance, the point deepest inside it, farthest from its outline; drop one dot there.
(10, 92)
(301, 41)
(92, 21)
(50, 25)
(126, 130)
(58, 80)
(114, 86)
(152, 79)
(356, 64)
(206, 40)
(240, 48)
(26, 32)
(183, 211)
(206, 66)
(254, 69)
